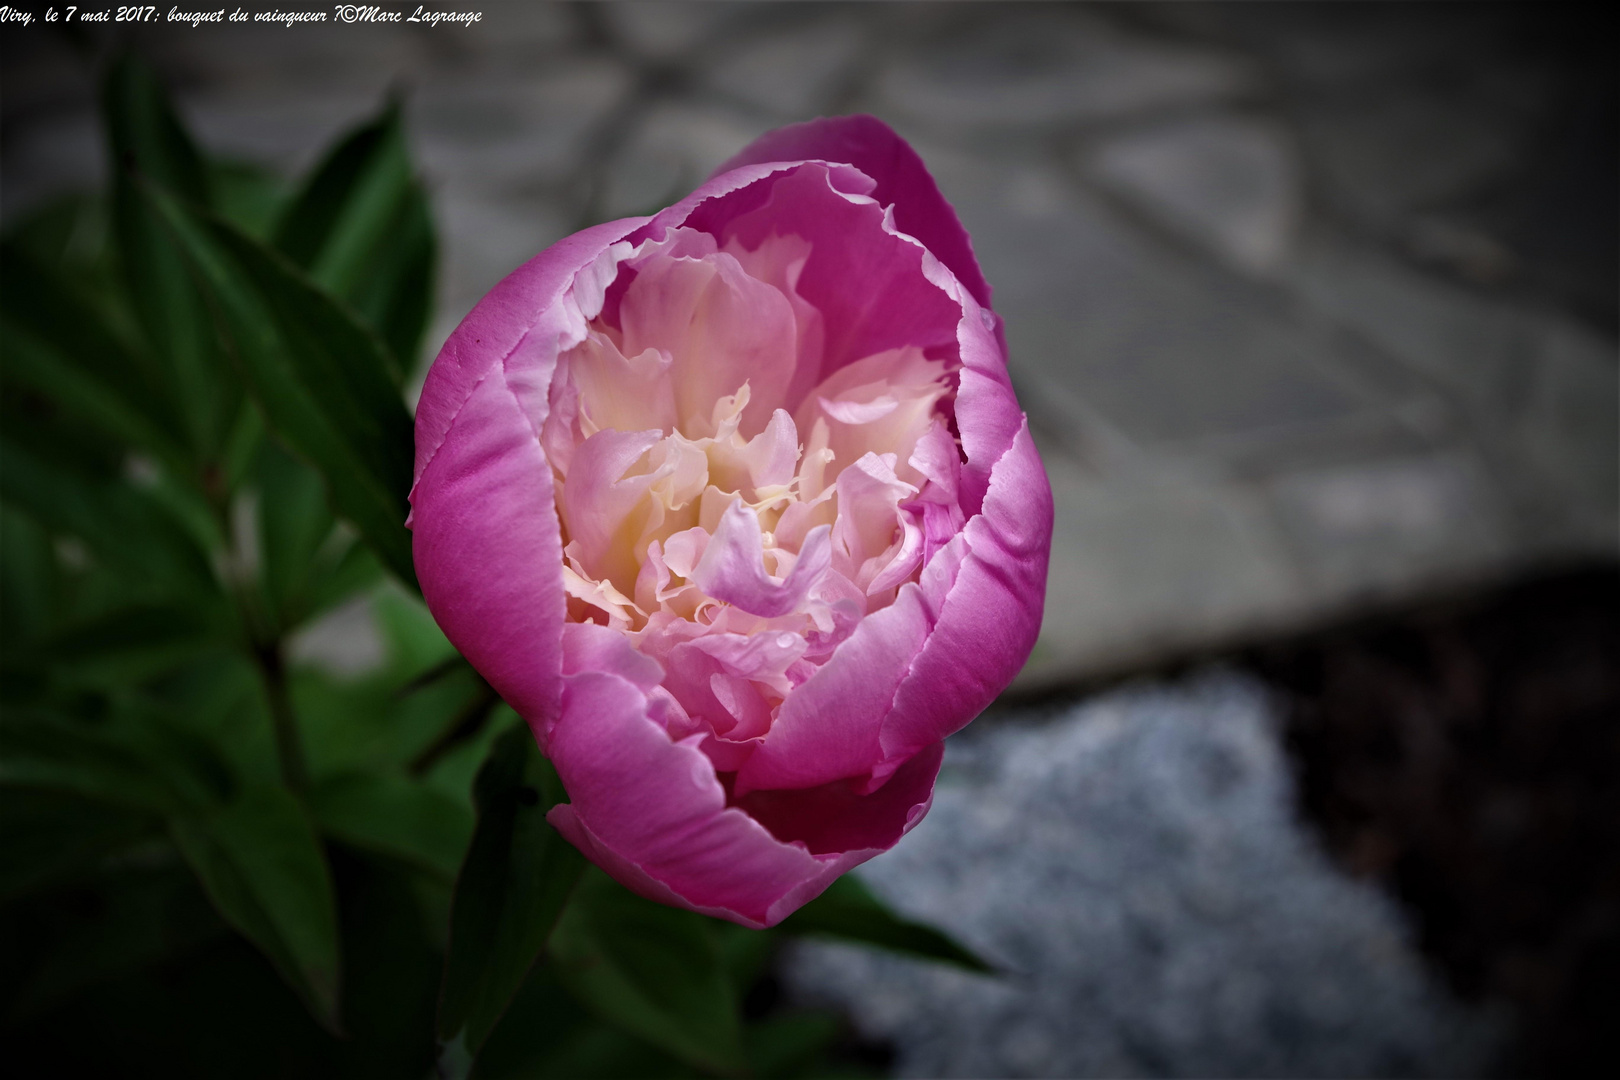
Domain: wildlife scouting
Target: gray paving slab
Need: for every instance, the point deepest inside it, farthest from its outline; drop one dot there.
(1376, 529)
(665, 29)
(498, 130)
(1100, 317)
(1231, 182)
(794, 72)
(1032, 66)
(1152, 565)
(670, 149)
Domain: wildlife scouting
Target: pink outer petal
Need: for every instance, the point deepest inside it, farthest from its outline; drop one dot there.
(730, 193)
(829, 205)
(517, 315)
(828, 727)
(483, 518)
(902, 180)
(652, 813)
(992, 612)
(839, 817)
(895, 304)
(487, 548)
(987, 412)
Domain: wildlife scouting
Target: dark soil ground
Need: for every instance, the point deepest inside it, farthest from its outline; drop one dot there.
(1466, 756)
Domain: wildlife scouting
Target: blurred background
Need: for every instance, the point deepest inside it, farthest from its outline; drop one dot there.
(1314, 770)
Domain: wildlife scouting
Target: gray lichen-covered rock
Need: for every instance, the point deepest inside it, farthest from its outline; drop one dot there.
(1136, 867)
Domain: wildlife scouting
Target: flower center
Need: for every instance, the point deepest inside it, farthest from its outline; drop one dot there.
(724, 501)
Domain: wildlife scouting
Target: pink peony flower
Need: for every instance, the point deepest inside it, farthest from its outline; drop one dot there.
(735, 506)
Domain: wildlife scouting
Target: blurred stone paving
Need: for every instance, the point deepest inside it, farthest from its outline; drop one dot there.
(1313, 307)
(1294, 337)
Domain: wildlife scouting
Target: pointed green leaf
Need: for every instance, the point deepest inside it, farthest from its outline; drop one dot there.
(848, 910)
(791, 1044)
(260, 862)
(34, 425)
(150, 148)
(294, 521)
(142, 629)
(64, 756)
(361, 228)
(352, 192)
(249, 196)
(49, 836)
(321, 378)
(123, 528)
(69, 231)
(146, 133)
(389, 814)
(56, 343)
(136, 757)
(514, 883)
(344, 566)
(31, 584)
(655, 971)
(139, 917)
(391, 968)
(548, 1034)
(397, 298)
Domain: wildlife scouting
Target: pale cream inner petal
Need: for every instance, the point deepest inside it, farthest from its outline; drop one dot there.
(702, 398)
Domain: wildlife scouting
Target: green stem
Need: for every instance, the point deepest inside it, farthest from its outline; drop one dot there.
(467, 724)
(289, 746)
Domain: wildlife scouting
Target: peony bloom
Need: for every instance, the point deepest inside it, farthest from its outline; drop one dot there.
(735, 506)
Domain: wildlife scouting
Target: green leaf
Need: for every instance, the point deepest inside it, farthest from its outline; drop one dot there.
(145, 132)
(30, 581)
(222, 699)
(137, 758)
(64, 756)
(394, 816)
(124, 528)
(391, 969)
(365, 725)
(260, 862)
(517, 877)
(308, 561)
(322, 380)
(655, 971)
(34, 425)
(848, 910)
(790, 1044)
(141, 916)
(397, 297)
(346, 567)
(547, 1034)
(294, 522)
(247, 195)
(48, 836)
(69, 230)
(415, 642)
(746, 953)
(361, 227)
(150, 149)
(57, 343)
(133, 642)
